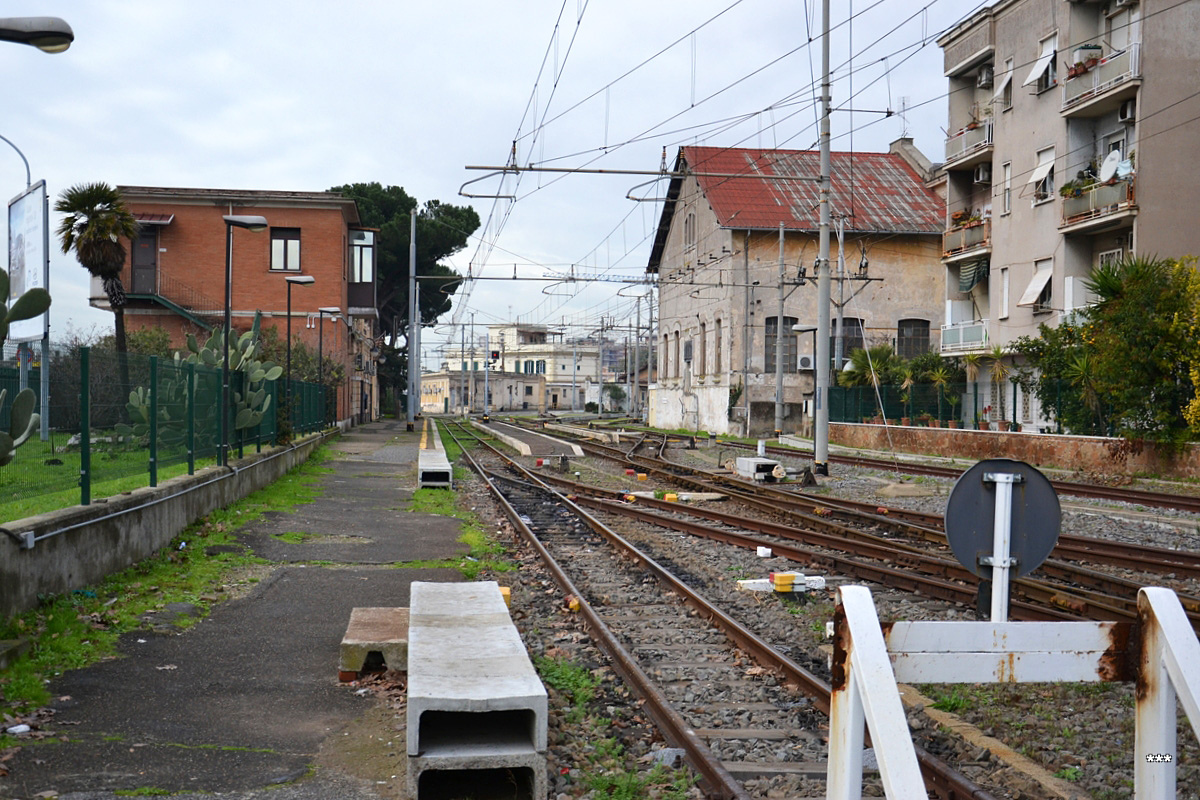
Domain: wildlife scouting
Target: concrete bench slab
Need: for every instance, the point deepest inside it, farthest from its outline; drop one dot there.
(476, 706)
(374, 630)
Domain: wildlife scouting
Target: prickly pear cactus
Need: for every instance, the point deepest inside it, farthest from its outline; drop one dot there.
(23, 421)
(250, 405)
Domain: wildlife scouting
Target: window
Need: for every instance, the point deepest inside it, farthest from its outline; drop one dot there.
(1042, 177)
(912, 337)
(1006, 200)
(689, 231)
(285, 249)
(1044, 74)
(528, 390)
(677, 359)
(717, 346)
(1110, 257)
(529, 367)
(362, 256)
(666, 356)
(1003, 314)
(541, 367)
(702, 354)
(790, 342)
(1117, 29)
(852, 337)
(1003, 95)
(1038, 293)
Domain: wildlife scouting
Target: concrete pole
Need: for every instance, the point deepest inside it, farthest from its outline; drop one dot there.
(600, 369)
(747, 337)
(779, 333)
(417, 376)
(574, 371)
(821, 397)
(628, 379)
(471, 365)
(487, 364)
(839, 333)
(635, 402)
(410, 417)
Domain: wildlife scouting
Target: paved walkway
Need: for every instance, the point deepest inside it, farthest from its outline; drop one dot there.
(247, 697)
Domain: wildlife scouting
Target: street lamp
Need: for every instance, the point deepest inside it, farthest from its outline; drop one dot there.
(297, 280)
(321, 312)
(48, 34)
(254, 224)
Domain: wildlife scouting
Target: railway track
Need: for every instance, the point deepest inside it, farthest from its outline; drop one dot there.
(667, 640)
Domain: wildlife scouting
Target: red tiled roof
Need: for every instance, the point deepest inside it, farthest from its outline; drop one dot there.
(880, 192)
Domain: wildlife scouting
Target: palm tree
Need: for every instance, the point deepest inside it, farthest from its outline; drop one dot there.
(999, 372)
(95, 225)
(973, 363)
(939, 378)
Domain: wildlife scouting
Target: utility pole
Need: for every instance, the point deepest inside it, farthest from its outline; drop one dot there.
(628, 384)
(821, 396)
(487, 363)
(839, 333)
(462, 372)
(412, 319)
(779, 328)
(600, 368)
(471, 407)
(636, 403)
(574, 370)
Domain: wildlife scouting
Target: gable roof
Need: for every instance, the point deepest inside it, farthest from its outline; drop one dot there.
(879, 192)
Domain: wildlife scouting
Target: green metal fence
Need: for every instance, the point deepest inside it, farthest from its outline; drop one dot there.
(141, 420)
(953, 401)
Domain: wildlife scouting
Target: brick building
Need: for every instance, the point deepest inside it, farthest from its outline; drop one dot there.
(175, 275)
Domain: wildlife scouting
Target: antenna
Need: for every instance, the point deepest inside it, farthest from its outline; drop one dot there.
(904, 117)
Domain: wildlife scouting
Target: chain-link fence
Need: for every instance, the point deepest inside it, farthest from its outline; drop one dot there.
(142, 420)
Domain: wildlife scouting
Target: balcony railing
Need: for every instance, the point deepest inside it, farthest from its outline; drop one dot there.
(966, 238)
(1098, 201)
(969, 335)
(968, 140)
(1112, 70)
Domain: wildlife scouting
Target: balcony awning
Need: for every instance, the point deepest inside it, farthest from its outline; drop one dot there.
(999, 93)
(154, 219)
(972, 272)
(1049, 47)
(1034, 290)
(1041, 171)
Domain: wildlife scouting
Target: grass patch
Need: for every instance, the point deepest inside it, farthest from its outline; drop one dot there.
(292, 537)
(483, 553)
(74, 630)
(145, 791)
(576, 684)
(954, 700)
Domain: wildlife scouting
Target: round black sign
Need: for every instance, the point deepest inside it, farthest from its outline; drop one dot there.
(971, 516)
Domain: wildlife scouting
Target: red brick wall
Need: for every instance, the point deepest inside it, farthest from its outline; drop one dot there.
(1082, 453)
(192, 252)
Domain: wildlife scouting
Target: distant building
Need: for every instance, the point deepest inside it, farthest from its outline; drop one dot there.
(717, 255)
(1072, 144)
(446, 392)
(175, 276)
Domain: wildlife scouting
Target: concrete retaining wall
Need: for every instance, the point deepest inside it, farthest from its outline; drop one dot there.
(1084, 453)
(84, 544)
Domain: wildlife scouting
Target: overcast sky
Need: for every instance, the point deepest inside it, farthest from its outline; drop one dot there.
(305, 95)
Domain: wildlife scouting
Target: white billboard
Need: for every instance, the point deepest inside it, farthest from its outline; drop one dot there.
(28, 263)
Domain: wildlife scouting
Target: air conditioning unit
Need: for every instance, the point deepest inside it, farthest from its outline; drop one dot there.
(807, 363)
(1127, 111)
(1121, 3)
(983, 173)
(987, 74)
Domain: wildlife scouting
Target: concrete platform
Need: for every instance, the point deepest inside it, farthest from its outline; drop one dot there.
(476, 707)
(383, 631)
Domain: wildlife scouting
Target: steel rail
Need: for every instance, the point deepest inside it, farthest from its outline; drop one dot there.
(940, 776)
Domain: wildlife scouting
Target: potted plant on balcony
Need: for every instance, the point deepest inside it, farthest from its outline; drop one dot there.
(959, 217)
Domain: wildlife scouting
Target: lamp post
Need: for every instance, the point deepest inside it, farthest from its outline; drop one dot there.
(254, 224)
(321, 312)
(48, 34)
(292, 280)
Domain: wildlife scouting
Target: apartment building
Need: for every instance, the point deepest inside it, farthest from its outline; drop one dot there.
(1073, 136)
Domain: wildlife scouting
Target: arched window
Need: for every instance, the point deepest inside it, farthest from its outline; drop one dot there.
(666, 357)
(689, 231)
(702, 351)
(717, 346)
(912, 337)
(676, 355)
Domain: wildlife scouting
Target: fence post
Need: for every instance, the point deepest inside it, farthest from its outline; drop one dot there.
(154, 420)
(190, 395)
(85, 429)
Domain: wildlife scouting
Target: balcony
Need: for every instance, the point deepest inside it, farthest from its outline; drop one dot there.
(970, 146)
(959, 337)
(974, 238)
(1103, 87)
(1099, 206)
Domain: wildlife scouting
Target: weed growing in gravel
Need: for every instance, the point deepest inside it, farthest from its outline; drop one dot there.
(74, 630)
(577, 684)
(954, 700)
(1068, 773)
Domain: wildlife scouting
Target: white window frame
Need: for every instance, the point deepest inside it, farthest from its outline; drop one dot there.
(1003, 94)
(1006, 191)
(1042, 176)
(1004, 287)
